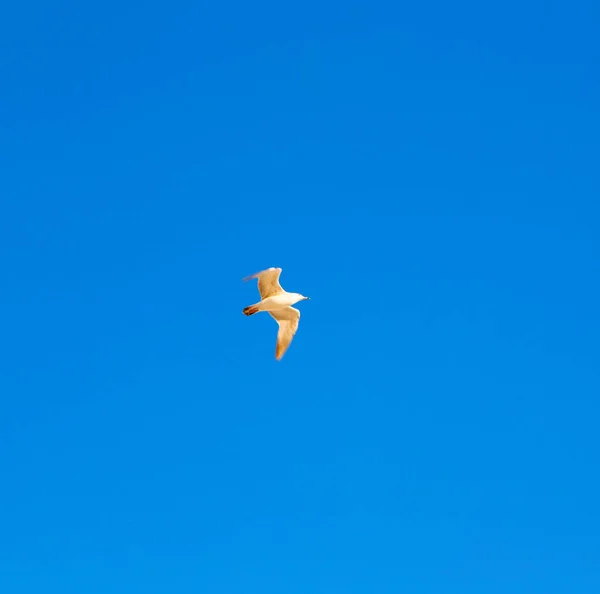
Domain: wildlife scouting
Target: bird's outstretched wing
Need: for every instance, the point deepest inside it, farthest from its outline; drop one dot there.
(288, 319)
(268, 282)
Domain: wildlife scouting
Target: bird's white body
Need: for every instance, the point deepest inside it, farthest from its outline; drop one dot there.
(278, 303)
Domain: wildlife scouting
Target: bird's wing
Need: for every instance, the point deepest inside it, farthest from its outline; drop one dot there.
(288, 319)
(268, 282)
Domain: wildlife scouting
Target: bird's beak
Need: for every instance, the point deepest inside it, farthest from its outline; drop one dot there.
(307, 298)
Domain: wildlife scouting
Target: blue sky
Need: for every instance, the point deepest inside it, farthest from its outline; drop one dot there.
(427, 173)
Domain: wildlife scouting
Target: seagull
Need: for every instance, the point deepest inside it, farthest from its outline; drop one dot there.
(278, 303)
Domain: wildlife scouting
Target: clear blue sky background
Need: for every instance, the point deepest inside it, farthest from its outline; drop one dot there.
(426, 172)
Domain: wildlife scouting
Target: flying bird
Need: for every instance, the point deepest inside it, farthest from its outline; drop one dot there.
(279, 305)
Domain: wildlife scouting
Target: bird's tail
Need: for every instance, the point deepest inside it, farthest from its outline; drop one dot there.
(250, 310)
